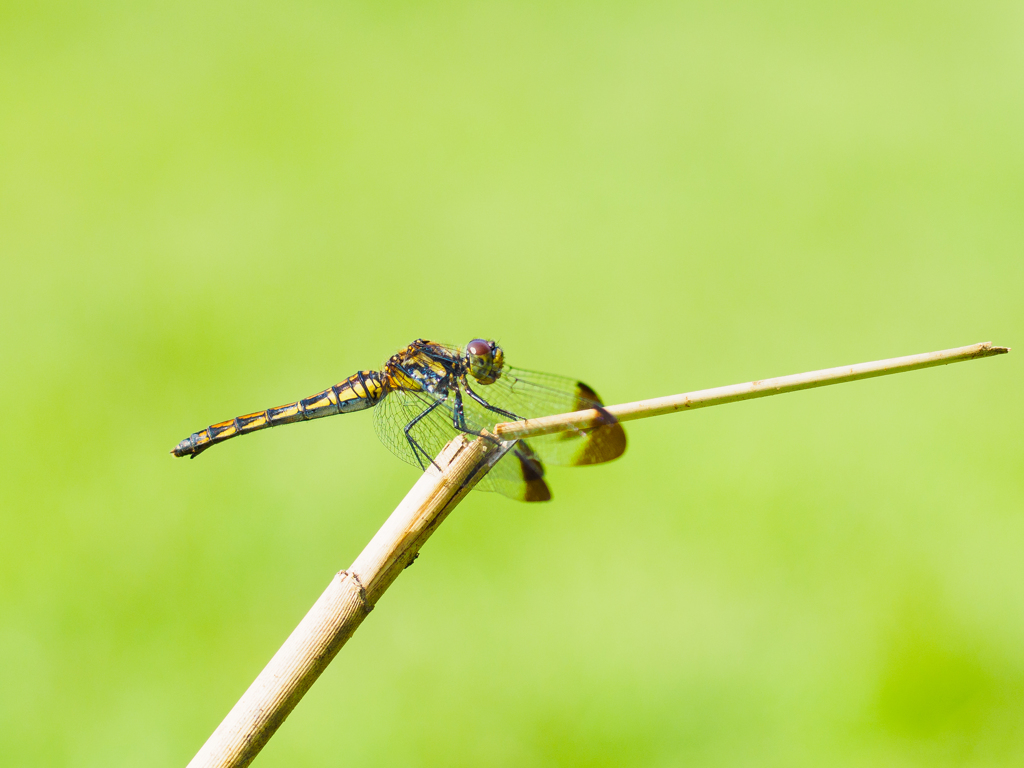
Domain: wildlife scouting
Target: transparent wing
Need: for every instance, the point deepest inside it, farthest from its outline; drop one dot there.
(519, 475)
(428, 434)
(529, 394)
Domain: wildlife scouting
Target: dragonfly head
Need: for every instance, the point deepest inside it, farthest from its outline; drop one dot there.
(485, 360)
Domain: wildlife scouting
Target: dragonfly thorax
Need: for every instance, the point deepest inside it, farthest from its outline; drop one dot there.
(423, 365)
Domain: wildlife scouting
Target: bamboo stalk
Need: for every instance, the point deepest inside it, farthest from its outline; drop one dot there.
(641, 409)
(353, 593)
(344, 604)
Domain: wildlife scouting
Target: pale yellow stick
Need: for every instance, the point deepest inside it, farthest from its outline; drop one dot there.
(345, 603)
(641, 409)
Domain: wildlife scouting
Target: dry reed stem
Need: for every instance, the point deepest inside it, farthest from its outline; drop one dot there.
(517, 430)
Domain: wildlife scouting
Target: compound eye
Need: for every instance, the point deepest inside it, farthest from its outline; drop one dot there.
(478, 348)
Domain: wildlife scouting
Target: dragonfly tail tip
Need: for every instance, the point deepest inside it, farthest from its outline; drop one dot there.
(181, 449)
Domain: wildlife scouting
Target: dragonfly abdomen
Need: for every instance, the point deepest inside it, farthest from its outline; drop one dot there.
(363, 390)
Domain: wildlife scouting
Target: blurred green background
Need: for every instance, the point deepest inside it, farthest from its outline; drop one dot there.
(210, 208)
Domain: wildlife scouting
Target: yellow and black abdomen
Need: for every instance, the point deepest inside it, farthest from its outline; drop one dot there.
(363, 390)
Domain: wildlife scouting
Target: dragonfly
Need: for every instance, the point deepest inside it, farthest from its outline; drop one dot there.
(428, 393)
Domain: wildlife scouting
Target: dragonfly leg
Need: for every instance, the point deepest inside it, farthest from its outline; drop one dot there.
(459, 414)
(459, 419)
(417, 449)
